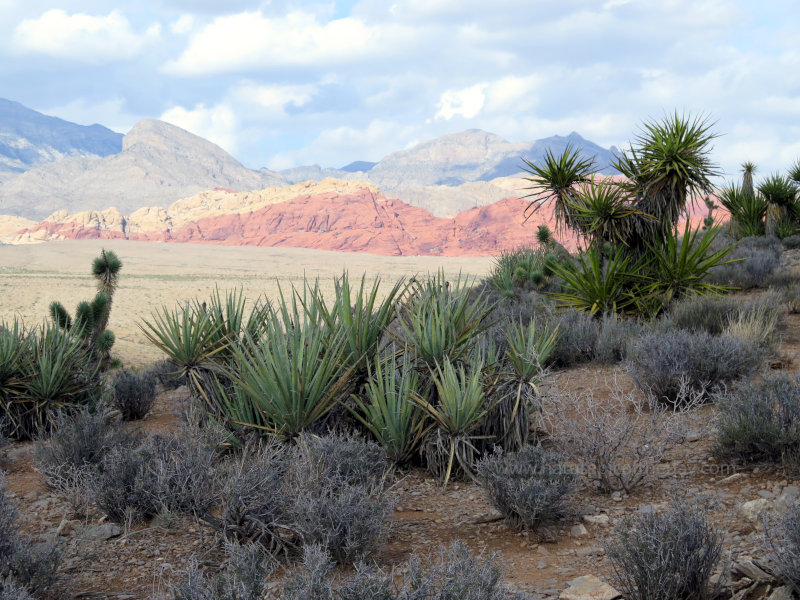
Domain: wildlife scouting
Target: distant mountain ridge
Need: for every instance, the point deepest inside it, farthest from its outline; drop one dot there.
(158, 164)
(48, 165)
(29, 138)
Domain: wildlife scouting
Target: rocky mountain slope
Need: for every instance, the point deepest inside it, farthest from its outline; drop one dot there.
(158, 164)
(29, 139)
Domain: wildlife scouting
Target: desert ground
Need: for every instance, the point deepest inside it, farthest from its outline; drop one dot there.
(141, 561)
(156, 274)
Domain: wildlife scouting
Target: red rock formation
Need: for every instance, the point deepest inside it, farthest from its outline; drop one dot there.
(362, 221)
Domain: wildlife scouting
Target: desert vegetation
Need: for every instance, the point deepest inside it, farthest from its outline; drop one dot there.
(304, 424)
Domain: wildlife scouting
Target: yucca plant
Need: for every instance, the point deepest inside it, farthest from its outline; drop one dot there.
(507, 422)
(442, 320)
(292, 378)
(55, 373)
(555, 181)
(669, 165)
(91, 318)
(780, 193)
(458, 410)
(681, 265)
(747, 210)
(362, 316)
(191, 340)
(388, 410)
(603, 213)
(600, 284)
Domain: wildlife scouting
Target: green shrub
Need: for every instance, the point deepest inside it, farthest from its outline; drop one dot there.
(710, 313)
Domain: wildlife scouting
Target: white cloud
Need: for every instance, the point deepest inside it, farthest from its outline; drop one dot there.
(466, 102)
(182, 24)
(218, 124)
(87, 38)
(273, 98)
(251, 40)
(341, 145)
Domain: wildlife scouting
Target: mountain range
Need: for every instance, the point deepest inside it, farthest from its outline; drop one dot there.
(70, 167)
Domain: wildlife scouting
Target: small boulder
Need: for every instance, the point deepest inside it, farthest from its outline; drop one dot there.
(589, 587)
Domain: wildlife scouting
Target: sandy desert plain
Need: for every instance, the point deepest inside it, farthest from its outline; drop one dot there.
(159, 274)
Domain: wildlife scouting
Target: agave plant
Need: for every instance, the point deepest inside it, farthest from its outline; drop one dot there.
(442, 320)
(528, 348)
(458, 410)
(292, 378)
(389, 411)
(365, 320)
(601, 284)
(555, 181)
(681, 266)
(191, 338)
(747, 210)
(49, 371)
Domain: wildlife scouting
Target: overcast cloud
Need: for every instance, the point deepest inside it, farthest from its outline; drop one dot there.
(283, 83)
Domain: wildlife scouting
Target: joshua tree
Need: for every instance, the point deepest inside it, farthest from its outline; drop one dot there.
(91, 318)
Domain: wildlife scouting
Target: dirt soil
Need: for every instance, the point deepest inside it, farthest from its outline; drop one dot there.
(144, 557)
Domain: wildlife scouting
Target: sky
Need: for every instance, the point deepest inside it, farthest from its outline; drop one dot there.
(284, 83)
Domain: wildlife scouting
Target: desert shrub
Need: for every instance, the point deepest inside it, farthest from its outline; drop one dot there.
(134, 394)
(244, 577)
(455, 574)
(323, 490)
(23, 564)
(666, 556)
(124, 485)
(783, 537)
(528, 487)
(709, 313)
(617, 443)
(184, 468)
(344, 456)
(755, 259)
(760, 421)
(255, 502)
(578, 333)
(347, 520)
(790, 296)
(614, 337)
(79, 440)
(10, 591)
(167, 373)
(791, 242)
(668, 365)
